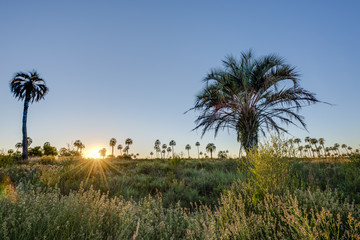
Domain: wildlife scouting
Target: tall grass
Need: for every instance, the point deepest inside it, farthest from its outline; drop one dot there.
(276, 197)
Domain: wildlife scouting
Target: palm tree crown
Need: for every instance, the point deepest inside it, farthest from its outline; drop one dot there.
(250, 95)
(27, 87)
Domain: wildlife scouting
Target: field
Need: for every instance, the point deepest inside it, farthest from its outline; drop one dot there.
(264, 196)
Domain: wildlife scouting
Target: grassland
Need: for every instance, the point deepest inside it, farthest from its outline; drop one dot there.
(266, 196)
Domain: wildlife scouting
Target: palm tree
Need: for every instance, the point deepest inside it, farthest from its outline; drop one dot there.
(157, 147)
(201, 153)
(336, 148)
(300, 148)
(157, 150)
(28, 87)
(17, 146)
(188, 147)
(172, 144)
(314, 141)
(126, 149)
(297, 141)
(151, 154)
(164, 146)
(250, 95)
(128, 142)
(350, 149)
(112, 144)
(120, 147)
(307, 148)
(168, 151)
(210, 148)
(102, 152)
(344, 146)
(197, 144)
(322, 143)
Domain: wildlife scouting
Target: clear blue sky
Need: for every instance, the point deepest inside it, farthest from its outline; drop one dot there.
(132, 68)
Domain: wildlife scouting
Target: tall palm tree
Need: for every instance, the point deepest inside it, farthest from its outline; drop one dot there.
(300, 148)
(322, 143)
(157, 147)
(112, 144)
(168, 151)
(172, 144)
(188, 147)
(210, 148)
(120, 147)
(128, 142)
(336, 148)
(151, 154)
(298, 141)
(314, 141)
(126, 149)
(344, 146)
(197, 144)
(307, 148)
(250, 95)
(164, 146)
(27, 87)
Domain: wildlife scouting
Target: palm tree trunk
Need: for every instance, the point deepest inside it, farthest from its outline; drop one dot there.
(24, 130)
(198, 153)
(172, 147)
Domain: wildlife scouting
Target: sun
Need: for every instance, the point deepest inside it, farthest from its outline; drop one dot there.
(93, 154)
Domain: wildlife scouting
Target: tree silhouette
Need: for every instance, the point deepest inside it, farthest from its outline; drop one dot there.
(188, 147)
(210, 148)
(128, 142)
(164, 146)
(157, 147)
(314, 141)
(79, 146)
(344, 146)
(27, 87)
(102, 152)
(197, 144)
(17, 146)
(250, 95)
(120, 147)
(322, 143)
(169, 151)
(172, 144)
(112, 144)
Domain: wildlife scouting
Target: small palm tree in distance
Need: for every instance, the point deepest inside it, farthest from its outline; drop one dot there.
(168, 151)
(120, 147)
(188, 147)
(27, 87)
(102, 152)
(172, 144)
(322, 142)
(128, 142)
(18, 146)
(112, 144)
(197, 144)
(210, 148)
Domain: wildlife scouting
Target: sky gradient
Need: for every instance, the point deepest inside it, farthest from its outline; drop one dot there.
(132, 68)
